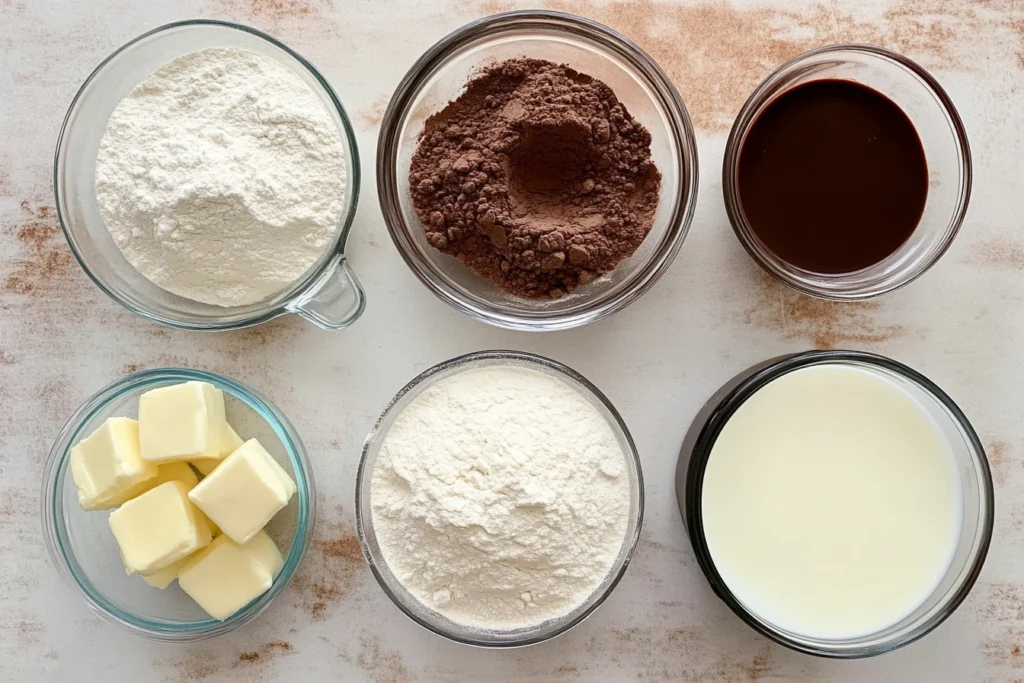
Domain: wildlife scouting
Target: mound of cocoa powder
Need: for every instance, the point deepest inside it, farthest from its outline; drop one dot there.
(536, 177)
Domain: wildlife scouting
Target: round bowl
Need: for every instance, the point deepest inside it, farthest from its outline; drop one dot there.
(328, 294)
(85, 553)
(405, 600)
(976, 489)
(439, 77)
(946, 149)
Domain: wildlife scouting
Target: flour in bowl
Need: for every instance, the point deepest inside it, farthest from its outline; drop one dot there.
(221, 177)
(500, 497)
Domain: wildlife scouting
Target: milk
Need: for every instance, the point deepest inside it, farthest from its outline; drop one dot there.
(831, 502)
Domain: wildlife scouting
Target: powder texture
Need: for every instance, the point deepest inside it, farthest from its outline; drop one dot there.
(500, 497)
(221, 177)
(536, 177)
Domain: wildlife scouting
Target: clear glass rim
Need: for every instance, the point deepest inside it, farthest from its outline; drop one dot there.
(741, 127)
(297, 288)
(56, 536)
(723, 412)
(629, 543)
(432, 61)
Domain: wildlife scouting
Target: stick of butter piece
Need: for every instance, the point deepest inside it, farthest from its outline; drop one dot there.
(158, 528)
(223, 578)
(175, 471)
(164, 577)
(181, 422)
(230, 442)
(108, 463)
(214, 529)
(245, 491)
(172, 471)
(206, 465)
(263, 549)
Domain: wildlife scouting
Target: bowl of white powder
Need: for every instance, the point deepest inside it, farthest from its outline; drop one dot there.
(499, 499)
(206, 178)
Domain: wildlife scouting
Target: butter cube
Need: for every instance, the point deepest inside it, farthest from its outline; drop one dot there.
(172, 471)
(223, 578)
(245, 491)
(230, 442)
(206, 465)
(164, 577)
(214, 529)
(175, 471)
(262, 548)
(107, 463)
(181, 422)
(158, 528)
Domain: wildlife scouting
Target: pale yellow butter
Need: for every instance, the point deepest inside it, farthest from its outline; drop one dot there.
(182, 422)
(172, 471)
(260, 547)
(158, 528)
(230, 442)
(244, 492)
(108, 463)
(223, 578)
(164, 577)
(263, 549)
(175, 471)
(214, 529)
(206, 465)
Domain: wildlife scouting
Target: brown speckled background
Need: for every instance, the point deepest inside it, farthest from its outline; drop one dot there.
(712, 315)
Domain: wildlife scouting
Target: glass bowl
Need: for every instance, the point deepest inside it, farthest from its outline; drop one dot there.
(85, 553)
(405, 600)
(328, 294)
(972, 465)
(946, 149)
(439, 77)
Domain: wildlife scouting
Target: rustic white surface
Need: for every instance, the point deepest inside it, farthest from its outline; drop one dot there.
(711, 315)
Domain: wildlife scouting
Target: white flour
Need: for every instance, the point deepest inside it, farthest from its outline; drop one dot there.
(221, 177)
(500, 497)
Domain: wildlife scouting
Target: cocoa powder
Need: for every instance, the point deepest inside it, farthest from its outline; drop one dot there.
(536, 177)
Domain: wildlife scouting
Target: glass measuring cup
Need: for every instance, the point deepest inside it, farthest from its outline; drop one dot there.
(328, 293)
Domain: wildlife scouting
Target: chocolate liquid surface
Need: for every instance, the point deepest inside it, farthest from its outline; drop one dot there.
(832, 177)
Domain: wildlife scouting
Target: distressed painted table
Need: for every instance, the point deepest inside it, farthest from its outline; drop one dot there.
(712, 315)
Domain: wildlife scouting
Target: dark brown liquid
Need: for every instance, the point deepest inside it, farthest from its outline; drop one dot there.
(832, 177)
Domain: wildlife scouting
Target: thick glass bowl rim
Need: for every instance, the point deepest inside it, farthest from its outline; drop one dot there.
(644, 67)
(497, 356)
(746, 118)
(352, 178)
(724, 411)
(58, 542)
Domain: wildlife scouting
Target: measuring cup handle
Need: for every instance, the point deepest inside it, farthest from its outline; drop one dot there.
(334, 300)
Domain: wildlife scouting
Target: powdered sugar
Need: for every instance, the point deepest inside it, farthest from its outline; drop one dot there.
(221, 177)
(500, 497)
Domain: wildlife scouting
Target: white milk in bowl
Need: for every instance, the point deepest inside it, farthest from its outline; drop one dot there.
(831, 502)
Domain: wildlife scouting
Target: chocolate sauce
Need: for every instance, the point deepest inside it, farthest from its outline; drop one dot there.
(832, 177)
